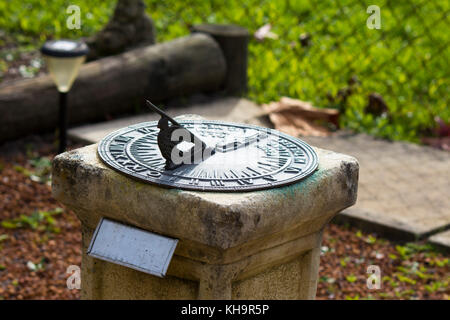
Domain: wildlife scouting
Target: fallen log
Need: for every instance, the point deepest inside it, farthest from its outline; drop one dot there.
(114, 85)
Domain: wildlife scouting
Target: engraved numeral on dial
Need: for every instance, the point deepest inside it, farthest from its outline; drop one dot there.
(130, 165)
(194, 182)
(217, 183)
(122, 139)
(292, 170)
(269, 178)
(245, 181)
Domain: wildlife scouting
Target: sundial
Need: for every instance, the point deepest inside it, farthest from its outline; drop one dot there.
(207, 155)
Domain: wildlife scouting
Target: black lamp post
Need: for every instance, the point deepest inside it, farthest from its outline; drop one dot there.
(63, 59)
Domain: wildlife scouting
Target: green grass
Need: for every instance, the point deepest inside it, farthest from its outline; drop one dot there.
(38, 220)
(406, 61)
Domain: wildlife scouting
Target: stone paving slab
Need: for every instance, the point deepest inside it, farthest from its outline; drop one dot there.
(441, 240)
(403, 188)
(229, 109)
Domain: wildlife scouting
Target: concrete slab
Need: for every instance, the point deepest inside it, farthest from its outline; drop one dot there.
(441, 240)
(403, 187)
(229, 109)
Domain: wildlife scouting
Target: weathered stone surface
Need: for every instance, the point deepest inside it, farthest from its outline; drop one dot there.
(221, 220)
(441, 240)
(231, 245)
(403, 188)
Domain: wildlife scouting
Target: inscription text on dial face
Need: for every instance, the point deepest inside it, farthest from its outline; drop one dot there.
(246, 157)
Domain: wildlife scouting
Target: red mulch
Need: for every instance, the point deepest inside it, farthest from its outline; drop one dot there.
(420, 273)
(423, 273)
(20, 195)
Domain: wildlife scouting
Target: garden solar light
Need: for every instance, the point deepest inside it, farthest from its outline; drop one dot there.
(64, 58)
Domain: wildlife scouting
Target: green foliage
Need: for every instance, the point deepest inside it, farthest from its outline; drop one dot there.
(405, 279)
(410, 248)
(42, 167)
(440, 262)
(356, 297)
(371, 239)
(403, 251)
(436, 286)
(405, 294)
(343, 262)
(38, 220)
(34, 21)
(407, 63)
(392, 256)
(351, 278)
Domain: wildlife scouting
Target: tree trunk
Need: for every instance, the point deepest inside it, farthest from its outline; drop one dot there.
(129, 27)
(233, 41)
(114, 85)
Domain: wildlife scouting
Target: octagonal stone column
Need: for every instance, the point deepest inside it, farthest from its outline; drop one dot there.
(251, 245)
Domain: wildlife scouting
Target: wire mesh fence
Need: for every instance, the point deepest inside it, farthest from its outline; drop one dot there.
(342, 54)
(328, 52)
(343, 62)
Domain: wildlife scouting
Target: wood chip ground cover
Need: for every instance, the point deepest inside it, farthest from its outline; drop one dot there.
(38, 243)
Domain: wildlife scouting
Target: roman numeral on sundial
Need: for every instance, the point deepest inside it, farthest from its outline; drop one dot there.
(194, 182)
(298, 153)
(122, 139)
(269, 178)
(117, 147)
(117, 151)
(217, 183)
(283, 153)
(245, 181)
(130, 165)
(292, 170)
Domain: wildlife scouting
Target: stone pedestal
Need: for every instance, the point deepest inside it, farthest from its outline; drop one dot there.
(254, 245)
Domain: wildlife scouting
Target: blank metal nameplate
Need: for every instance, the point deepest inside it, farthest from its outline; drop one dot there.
(132, 247)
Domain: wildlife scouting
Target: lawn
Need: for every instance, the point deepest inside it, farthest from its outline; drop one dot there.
(406, 61)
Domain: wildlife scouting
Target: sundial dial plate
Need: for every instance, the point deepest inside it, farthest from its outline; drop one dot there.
(269, 158)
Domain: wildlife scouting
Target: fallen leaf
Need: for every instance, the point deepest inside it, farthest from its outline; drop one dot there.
(440, 143)
(296, 117)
